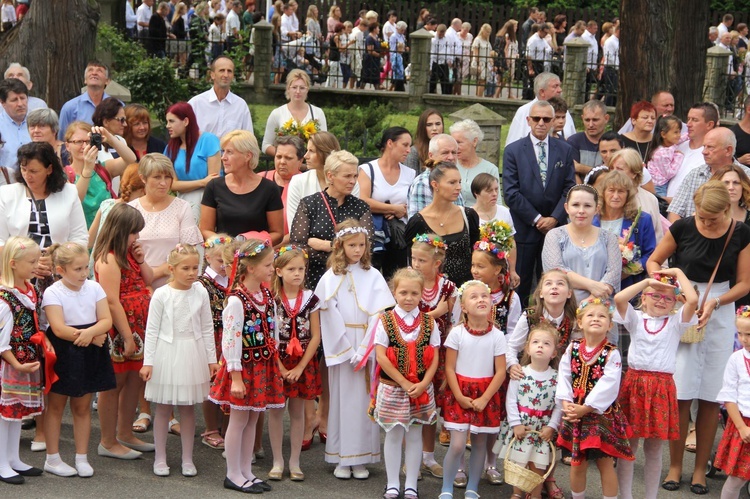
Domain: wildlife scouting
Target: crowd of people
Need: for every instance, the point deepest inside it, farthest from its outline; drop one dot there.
(400, 294)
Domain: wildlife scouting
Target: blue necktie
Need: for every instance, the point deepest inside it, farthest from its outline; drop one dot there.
(542, 160)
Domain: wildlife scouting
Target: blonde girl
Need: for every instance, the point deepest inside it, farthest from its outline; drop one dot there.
(594, 428)
(352, 294)
(438, 299)
(215, 280)
(530, 405)
(648, 395)
(179, 357)
(124, 275)
(79, 320)
(248, 380)
(474, 370)
(298, 331)
(406, 340)
(20, 356)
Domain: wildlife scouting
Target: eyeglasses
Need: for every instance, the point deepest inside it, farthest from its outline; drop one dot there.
(122, 120)
(659, 296)
(77, 143)
(536, 119)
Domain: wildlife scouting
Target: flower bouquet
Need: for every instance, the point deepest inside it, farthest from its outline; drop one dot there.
(631, 257)
(499, 233)
(293, 127)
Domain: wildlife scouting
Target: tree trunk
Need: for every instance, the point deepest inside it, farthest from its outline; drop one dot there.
(54, 41)
(662, 47)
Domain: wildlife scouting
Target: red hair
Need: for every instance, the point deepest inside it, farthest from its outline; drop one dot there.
(183, 110)
(639, 107)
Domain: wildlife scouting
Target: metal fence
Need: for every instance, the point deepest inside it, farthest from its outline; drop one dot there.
(736, 88)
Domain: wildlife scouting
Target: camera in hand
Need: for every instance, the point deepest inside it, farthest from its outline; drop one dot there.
(96, 140)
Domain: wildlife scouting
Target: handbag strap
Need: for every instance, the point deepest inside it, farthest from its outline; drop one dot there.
(328, 207)
(716, 268)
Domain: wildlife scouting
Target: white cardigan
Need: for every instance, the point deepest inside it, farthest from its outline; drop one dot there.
(64, 214)
(160, 322)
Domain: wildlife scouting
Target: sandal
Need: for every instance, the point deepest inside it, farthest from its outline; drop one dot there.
(172, 423)
(554, 492)
(445, 495)
(392, 493)
(213, 439)
(142, 423)
(410, 493)
(460, 481)
(474, 494)
(690, 445)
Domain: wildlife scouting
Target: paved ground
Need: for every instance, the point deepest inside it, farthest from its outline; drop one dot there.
(135, 479)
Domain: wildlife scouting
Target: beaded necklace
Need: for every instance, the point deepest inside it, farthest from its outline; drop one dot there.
(663, 325)
(589, 356)
(406, 328)
(479, 332)
(429, 295)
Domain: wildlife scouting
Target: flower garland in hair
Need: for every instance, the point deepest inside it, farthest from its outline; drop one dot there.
(596, 301)
(744, 311)
(210, 243)
(435, 241)
(238, 255)
(351, 230)
(290, 247)
(484, 245)
(469, 284)
(498, 233)
(671, 280)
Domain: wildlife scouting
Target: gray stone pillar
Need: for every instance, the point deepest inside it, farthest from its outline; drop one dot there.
(715, 83)
(574, 79)
(420, 44)
(490, 122)
(263, 42)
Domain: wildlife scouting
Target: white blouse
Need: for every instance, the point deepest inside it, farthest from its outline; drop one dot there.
(476, 354)
(736, 387)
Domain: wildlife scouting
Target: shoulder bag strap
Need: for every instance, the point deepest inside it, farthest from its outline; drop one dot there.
(716, 268)
(312, 113)
(328, 207)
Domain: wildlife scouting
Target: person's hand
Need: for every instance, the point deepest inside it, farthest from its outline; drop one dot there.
(515, 279)
(465, 402)
(479, 404)
(128, 346)
(744, 159)
(520, 431)
(106, 134)
(574, 412)
(547, 433)
(29, 367)
(599, 289)
(745, 434)
(399, 210)
(43, 266)
(356, 359)
(84, 338)
(237, 390)
(705, 313)
(209, 178)
(138, 252)
(145, 373)
(213, 369)
(293, 375)
(416, 390)
(516, 372)
(99, 340)
(661, 287)
(545, 224)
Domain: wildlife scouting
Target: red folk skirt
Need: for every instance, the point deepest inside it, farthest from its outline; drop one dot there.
(733, 455)
(596, 436)
(460, 419)
(264, 386)
(649, 402)
(308, 386)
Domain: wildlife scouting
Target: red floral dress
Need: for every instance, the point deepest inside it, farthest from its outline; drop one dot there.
(295, 323)
(447, 290)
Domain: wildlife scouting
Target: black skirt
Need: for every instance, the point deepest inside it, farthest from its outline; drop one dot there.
(81, 370)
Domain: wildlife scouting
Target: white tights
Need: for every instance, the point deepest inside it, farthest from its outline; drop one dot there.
(10, 440)
(651, 469)
(239, 441)
(413, 455)
(732, 487)
(162, 415)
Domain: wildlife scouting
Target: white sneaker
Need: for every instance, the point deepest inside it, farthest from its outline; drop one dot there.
(38, 446)
(343, 472)
(61, 469)
(84, 469)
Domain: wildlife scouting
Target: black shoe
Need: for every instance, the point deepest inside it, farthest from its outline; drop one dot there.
(671, 485)
(265, 487)
(698, 489)
(28, 424)
(248, 487)
(13, 480)
(30, 472)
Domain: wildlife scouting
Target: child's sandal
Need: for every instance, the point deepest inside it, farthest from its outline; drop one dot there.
(212, 439)
(392, 493)
(445, 495)
(410, 493)
(471, 494)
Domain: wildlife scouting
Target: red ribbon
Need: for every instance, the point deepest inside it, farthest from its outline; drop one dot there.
(534, 412)
(50, 377)
(293, 348)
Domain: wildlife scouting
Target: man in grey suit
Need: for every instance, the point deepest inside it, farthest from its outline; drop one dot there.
(538, 171)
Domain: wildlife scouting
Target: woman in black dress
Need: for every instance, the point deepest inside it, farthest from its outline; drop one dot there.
(458, 226)
(371, 59)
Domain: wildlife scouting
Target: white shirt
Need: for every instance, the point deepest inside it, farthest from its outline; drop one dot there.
(519, 128)
(221, 116)
(383, 191)
(442, 50)
(653, 351)
(221, 280)
(692, 158)
(79, 307)
(603, 395)
(612, 51)
(517, 337)
(730, 65)
(289, 24)
(736, 387)
(539, 50)
(454, 41)
(232, 23)
(476, 354)
(130, 17)
(502, 213)
(381, 336)
(143, 15)
(281, 115)
(388, 29)
(593, 52)
(722, 29)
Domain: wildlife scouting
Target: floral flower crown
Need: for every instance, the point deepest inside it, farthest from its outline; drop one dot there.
(671, 280)
(469, 284)
(596, 301)
(592, 172)
(216, 241)
(291, 247)
(498, 233)
(489, 247)
(253, 252)
(351, 230)
(435, 241)
(744, 311)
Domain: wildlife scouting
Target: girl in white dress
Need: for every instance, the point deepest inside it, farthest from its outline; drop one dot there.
(530, 405)
(180, 356)
(352, 294)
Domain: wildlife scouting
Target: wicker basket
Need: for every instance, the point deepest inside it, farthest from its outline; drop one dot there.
(694, 334)
(521, 477)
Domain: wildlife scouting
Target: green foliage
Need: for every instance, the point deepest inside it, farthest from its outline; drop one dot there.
(730, 5)
(126, 54)
(354, 125)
